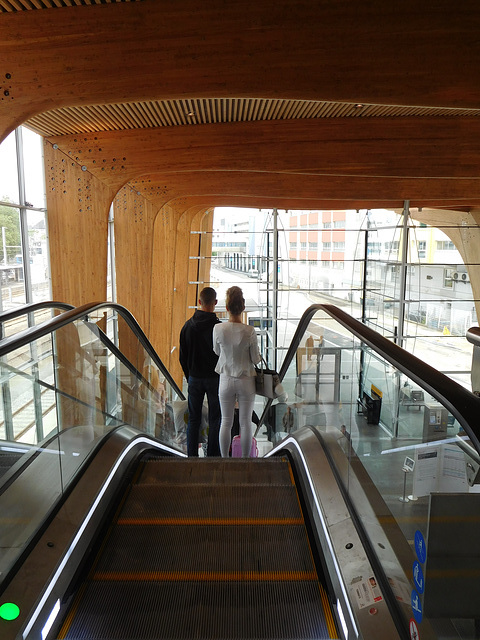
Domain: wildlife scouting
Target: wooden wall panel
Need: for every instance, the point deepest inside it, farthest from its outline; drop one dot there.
(186, 278)
(78, 205)
(168, 268)
(134, 219)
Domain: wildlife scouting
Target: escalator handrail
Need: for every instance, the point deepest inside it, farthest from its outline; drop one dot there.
(473, 336)
(31, 307)
(461, 403)
(23, 338)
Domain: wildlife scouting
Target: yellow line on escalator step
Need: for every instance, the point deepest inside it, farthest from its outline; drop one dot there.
(204, 576)
(327, 609)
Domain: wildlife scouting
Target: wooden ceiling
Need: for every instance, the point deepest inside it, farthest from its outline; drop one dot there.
(391, 92)
(171, 113)
(12, 6)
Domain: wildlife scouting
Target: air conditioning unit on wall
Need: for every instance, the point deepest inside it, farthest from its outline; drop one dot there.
(460, 276)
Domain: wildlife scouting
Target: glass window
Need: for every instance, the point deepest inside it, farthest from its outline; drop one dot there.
(11, 261)
(38, 250)
(445, 245)
(448, 278)
(8, 170)
(33, 169)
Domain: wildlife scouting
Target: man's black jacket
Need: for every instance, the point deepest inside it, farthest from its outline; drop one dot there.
(196, 345)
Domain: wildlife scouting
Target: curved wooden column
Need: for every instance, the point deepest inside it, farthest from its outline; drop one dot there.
(78, 205)
(169, 267)
(134, 221)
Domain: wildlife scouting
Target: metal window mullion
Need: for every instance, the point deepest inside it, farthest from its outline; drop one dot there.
(37, 394)
(23, 217)
(7, 412)
(400, 339)
(37, 397)
(275, 288)
(403, 277)
(111, 248)
(45, 212)
(361, 377)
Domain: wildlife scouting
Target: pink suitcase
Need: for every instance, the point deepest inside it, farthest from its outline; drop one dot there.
(237, 448)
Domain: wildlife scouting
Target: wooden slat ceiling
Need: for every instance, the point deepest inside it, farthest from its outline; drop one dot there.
(171, 113)
(9, 6)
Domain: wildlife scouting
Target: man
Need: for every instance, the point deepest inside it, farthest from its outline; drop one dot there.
(198, 362)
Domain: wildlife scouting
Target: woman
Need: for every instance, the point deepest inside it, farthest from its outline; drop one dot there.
(237, 347)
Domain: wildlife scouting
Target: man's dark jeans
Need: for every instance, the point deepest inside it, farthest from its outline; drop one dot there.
(197, 388)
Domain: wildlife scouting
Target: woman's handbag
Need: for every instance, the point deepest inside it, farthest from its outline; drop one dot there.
(265, 381)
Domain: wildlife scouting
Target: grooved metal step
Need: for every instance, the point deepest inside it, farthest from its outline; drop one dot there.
(216, 471)
(200, 610)
(204, 503)
(263, 550)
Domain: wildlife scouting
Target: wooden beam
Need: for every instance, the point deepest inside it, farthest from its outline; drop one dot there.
(378, 148)
(375, 163)
(300, 191)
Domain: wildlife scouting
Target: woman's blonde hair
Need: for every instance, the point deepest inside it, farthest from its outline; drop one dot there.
(234, 301)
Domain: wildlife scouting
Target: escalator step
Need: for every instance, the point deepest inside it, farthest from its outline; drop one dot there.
(271, 471)
(233, 550)
(207, 550)
(211, 611)
(200, 504)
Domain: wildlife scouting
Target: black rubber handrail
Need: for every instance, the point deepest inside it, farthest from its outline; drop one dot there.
(473, 336)
(31, 307)
(461, 403)
(23, 338)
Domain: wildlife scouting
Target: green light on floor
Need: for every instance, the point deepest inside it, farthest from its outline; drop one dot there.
(9, 611)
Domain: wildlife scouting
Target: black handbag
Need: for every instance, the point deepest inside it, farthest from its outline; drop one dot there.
(265, 381)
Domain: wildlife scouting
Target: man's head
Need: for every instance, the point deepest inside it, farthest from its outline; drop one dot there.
(207, 299)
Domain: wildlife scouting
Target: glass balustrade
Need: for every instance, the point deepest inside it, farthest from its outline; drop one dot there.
(62, 392)
(404, 456)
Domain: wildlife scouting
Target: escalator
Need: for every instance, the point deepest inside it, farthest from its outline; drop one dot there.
(109, 531)
(204, 549)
